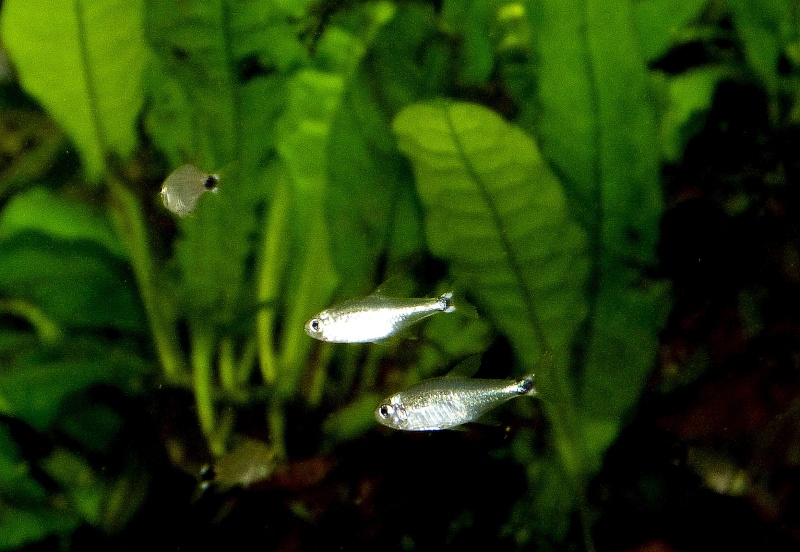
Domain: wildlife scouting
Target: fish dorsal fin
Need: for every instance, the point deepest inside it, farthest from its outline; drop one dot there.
(467, 368)
(398, 285)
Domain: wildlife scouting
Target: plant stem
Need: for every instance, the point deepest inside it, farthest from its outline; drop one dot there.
(46, 328)
(129, 225)
(269, 278)
(227, 368)
(202, 347)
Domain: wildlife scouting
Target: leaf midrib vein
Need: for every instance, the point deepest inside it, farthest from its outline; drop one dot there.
(512, 258)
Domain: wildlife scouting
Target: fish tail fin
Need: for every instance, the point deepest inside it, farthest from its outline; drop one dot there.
(526, 387)
(449, 304)
(446, 300)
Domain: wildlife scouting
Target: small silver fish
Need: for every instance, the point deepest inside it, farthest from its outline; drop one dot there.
(373, 318)
(184, 186)
(449, 401)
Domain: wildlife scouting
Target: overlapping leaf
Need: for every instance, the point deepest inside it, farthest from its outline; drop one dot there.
(86, 69)
(495, 211)
(600, 132)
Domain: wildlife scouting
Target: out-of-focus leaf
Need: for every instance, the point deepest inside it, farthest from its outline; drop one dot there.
(689, 97)
(29, 144)
(34, 389)
(16, 482)
(352, 420)
(304, 129)
(79, 482)
(660, 22)
(78, 285)
(94, 425)
(448, 338)
(83, 60)
(470, 21)
(39, 210)
(765, 28)
(600, 131)
(370, 195)
(495, 211)
(23, 525)
(220, 82)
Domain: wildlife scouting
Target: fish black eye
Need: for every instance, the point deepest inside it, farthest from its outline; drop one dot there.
(314, 324)
(385, 411)
(211, 182)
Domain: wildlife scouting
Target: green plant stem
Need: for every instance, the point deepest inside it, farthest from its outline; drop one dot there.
(202, 346)
(47, 329)
(129, 225)
(244, 368)
(319, 374)
(269, 278)
(227, 367)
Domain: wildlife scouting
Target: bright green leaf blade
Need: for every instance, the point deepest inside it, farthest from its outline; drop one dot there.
(765, 28)
(83, 61)
(597, 118)
(499, 216)
(660, 22)
(39, 210)
(77, 284)
(689, 97)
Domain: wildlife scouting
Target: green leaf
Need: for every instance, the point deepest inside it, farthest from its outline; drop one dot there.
(209, 110)
(35, 388)
(765, 28)
(689, 97)
(39, 210)
(352, 420)
(660, 22)
(79, 285)
(16, 482)
(471, 21)
(597, 118)
(83, 61)
(20, 526)
(495, 211)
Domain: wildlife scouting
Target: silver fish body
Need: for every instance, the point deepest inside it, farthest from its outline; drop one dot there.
(373, 318)
(446, 402)
(184, 186)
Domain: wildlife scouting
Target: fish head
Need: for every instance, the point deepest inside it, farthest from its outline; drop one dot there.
(316, 326)
(392, 413)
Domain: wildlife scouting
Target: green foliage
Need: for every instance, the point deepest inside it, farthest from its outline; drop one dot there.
(536, 131)
(509, 238)
(99, 53)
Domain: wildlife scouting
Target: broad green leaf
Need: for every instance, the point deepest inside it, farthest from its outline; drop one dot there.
(689, 97)
(313, 99)
(79, 285)
(24, 525)
(34, 389)
(83, 61)
(495, 211)
(597, 120)
(471, 22)
(370, 193)
(219, 87)
(765, 28)
(208, 54)
(660, 22)
(39, 210)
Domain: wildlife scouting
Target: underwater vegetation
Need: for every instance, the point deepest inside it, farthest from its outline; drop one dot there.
(612, 185)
